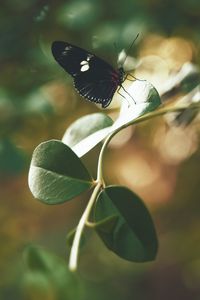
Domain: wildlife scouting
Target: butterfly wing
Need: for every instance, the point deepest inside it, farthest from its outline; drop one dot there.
(94, 79)
(99, 83)
(96, 91)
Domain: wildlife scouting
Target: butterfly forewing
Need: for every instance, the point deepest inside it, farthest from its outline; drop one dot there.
(94, 79)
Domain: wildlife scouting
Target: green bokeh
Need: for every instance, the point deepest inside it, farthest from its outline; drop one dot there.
(38, 103)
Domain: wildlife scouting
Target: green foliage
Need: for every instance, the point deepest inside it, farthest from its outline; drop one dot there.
(12, 159)
(57, 175)
(132, 235)
(38, 104)
(79, 15)
(46, 277)
(84, 127)
(29, 116)
(85, 133)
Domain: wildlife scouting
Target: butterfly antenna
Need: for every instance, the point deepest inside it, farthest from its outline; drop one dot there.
(129, 48)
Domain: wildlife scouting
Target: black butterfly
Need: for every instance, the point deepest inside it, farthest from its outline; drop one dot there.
(94, 78)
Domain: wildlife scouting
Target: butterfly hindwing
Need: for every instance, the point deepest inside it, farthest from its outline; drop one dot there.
(96, 91)
(94, 78)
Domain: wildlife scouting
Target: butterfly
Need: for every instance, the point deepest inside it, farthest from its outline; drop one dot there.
(94, 78)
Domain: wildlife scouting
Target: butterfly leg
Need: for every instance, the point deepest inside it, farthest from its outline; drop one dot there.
(122, 95)
(129, 78)
(135, 78)
(121, 86)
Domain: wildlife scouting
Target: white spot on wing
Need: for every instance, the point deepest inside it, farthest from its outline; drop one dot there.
(84, 62)
(85, 66)
(89, 57)
(68, 48)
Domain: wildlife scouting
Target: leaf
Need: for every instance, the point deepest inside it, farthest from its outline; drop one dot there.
(38, 102)
(147, 99)
(186, 79)
(91, 141)
(12, 159)
(132, 235)
(84, 127)
(105, 229)
(37, 259)
(47, 276)
(6, 106)
(191, 78)
(56, 174)
(186, 116)
(107, 225)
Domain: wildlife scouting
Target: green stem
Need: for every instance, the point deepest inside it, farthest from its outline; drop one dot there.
(100, 181)
(145, 117)
(73, 259)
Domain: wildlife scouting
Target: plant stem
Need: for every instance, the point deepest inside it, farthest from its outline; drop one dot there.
(73, 259)
(145, 117)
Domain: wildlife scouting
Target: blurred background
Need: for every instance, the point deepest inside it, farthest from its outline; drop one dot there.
(158, 159)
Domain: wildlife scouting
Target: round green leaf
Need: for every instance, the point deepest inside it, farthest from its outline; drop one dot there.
(56, 174)
(132, 235)
(87, 132)
(144, 99)
(84, 127)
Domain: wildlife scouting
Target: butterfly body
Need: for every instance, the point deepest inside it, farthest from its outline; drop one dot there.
(94, 78)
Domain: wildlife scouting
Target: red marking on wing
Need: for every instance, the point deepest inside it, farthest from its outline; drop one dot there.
(115, 77)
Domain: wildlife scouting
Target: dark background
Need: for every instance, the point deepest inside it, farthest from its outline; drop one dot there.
(158, 161)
